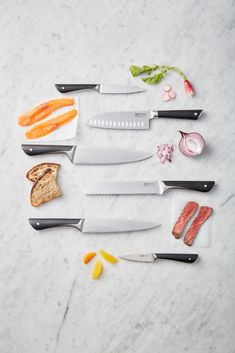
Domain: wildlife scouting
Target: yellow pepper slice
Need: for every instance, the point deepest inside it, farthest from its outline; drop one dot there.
(108, 257)
(97, 270)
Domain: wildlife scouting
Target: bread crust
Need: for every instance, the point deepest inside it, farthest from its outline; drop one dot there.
(48, 178)
(31, 173)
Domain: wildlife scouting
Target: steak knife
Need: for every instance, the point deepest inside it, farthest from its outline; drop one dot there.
(89, 155)
(157, 187)
(188, 258)
(138, 120)
(89, 225)
(111, 89)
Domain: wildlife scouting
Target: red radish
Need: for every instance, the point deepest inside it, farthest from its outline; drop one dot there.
(188, 88)
(172, 94)
(166, 97)
(167, 88)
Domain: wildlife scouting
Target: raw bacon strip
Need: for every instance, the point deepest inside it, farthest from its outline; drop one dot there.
(43, 110)
(183, 219)
(45, 128)
(203, 214)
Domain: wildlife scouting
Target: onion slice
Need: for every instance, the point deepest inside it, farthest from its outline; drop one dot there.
(191, 144)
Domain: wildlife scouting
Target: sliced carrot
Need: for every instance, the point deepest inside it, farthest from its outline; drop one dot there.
(88, 257)
(43, 110)
(48, 126)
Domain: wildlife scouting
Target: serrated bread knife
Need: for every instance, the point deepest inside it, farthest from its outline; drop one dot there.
(89, 155)
(157, 187)
(138, 120)
(188, 258)
(93, 225)
(101, 88)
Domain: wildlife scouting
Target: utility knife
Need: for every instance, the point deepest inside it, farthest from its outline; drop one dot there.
(155, 187)
(138, 120)
(188, 258)
(89, 155)
(93, 225)
(101, 88)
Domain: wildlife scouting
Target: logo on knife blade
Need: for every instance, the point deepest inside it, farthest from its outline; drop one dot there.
(140, 115)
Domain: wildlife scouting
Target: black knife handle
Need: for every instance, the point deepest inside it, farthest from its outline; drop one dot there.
(180, 114)
(65, 88)
(34, 150)
(44, 223)
(203, 186)
(188, 258)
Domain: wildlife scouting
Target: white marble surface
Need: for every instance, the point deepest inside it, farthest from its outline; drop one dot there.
(47, 301)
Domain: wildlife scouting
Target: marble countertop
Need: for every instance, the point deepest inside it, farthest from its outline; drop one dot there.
(48, 303)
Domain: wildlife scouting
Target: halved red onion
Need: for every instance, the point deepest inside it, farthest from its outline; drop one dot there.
(191, 144)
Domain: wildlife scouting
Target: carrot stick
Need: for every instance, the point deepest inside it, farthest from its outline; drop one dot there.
(43, 110)
(48, 126)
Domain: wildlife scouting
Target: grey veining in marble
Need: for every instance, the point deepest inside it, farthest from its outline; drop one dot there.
(48, 303)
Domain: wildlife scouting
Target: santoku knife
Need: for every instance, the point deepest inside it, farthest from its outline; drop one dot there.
(111, 89)
(93, 225)
(188, 258)
(89, 155)
(157, 187)
(138, 120)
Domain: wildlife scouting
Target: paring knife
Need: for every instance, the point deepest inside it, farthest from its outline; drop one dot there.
(138, 120)
(111, 89)
(89, 225)
(89, 155)
(188, 258)
(157, 187)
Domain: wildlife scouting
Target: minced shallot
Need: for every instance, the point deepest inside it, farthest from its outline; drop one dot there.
(165, 152)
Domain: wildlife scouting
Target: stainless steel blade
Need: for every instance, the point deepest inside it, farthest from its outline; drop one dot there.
(132, 120)
(139, 257)
(125, 188)
(115, 225)
(106, 155)
(114, 89)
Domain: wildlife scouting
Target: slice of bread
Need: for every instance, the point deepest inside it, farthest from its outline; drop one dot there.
(39, 170)
(45, 188)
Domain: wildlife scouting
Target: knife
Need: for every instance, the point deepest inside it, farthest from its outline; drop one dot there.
(113, 89)
(188, 258)
(93, 225)
(138, 120)
(157, 187)
(89, 155)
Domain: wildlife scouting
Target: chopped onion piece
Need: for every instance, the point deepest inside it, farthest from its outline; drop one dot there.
(165, 152)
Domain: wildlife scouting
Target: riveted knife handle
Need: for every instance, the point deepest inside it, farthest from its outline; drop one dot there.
(65, 88)
(44, 223)
(188, 258)
(34, 150)
(203, 186)
(180, 114)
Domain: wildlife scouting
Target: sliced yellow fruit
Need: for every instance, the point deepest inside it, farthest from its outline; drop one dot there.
(97, 270)
(108, 257)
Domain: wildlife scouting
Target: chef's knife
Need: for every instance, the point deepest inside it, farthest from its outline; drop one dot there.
(157, 187)
(93, 225)
(112, 89)
(188, 258)
(138, 120)
(89, 155)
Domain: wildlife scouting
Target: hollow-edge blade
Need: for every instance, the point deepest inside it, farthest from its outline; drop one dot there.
(125, 188)
(127, 120)
(107, 155)
(138, 257)
(94, 225)
(119, 89)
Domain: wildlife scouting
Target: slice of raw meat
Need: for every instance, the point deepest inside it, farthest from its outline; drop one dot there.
(188, 211)
(203, 214)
